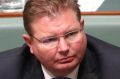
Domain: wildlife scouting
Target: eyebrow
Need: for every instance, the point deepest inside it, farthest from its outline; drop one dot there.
(47, 37)
(54, 35)
(72, 30)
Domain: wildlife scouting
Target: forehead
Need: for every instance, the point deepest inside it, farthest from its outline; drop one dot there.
(60, 23)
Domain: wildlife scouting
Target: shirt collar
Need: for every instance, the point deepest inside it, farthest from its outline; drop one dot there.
(49, 75)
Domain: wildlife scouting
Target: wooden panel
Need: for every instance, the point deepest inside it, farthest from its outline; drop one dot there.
(16, 14)
(102, 13)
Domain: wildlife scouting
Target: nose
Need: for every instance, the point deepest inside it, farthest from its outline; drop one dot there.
(63, 46)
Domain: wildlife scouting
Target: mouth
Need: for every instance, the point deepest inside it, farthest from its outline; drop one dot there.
(66, 60)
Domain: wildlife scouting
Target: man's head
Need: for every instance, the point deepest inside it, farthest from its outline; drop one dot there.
(55, 34)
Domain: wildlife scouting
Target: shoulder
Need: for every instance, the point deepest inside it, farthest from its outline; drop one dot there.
(15, 55)
(100, 45)
(105, 52)
(14, 52)
(12, 61)
(106, 56)
(103, 49)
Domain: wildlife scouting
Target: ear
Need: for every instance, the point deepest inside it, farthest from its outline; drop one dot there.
(82, 23)
(28, 41)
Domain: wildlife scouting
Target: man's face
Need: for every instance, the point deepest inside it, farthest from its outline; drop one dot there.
(62, 57)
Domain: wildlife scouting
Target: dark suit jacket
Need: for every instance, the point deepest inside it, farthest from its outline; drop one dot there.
(101, 61)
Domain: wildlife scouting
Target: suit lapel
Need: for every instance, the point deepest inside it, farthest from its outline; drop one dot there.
(87, 69)
(33, 70)
(88, 76)
(37, 72)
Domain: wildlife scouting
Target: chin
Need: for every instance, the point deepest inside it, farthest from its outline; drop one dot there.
(67, 66)
(65, 69)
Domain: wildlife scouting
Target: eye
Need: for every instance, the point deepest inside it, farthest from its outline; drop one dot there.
(71, 34)
(49, 40)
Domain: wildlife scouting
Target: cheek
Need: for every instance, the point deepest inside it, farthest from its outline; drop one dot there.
(79, 48)
(46, 57)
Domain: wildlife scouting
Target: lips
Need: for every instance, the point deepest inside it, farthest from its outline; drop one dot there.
(66, 60)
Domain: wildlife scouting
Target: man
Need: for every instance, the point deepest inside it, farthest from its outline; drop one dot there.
(57, 46)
